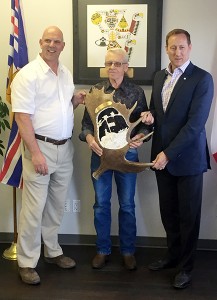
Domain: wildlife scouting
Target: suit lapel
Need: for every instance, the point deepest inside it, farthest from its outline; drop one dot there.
(161, 80)
(183, 78)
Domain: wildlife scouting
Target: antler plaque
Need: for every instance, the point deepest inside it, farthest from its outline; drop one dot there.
(112, 130)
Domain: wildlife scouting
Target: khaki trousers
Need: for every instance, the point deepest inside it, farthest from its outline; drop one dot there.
(43, 200)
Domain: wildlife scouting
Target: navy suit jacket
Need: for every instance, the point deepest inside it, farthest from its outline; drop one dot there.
(180, 130)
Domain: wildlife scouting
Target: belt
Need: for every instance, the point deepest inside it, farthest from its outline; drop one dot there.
(49, 140)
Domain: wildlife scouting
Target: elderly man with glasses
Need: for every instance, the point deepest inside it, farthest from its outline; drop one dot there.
(128, 93)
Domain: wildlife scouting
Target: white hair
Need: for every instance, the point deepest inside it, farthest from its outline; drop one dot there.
(119, 51)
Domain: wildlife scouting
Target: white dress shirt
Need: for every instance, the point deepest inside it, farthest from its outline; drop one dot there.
(38, 91)
(170, 83)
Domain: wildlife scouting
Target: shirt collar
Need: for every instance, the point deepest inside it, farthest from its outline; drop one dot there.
(45, 66)
(182, 68)
(108, 85)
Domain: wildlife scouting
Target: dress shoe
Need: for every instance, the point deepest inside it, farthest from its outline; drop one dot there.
(99, 261)
(129, 262)
(182, 280)
(61, 261)
(162, 264)
(29, 275)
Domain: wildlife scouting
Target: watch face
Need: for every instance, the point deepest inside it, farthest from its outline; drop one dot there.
(111, 128)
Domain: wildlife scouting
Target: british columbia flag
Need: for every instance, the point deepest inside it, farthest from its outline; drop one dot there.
(11, 172)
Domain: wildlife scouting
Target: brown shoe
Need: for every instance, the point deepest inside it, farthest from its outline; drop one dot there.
(29, 275)
(129, 262)
(99, 261)
(61, 261)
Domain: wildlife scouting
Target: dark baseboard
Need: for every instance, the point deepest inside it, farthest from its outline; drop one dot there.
(152, 242)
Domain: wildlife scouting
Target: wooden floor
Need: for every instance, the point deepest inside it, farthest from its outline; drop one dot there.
(112, 282)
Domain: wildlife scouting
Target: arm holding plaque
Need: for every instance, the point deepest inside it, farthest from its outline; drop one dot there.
(112, 130)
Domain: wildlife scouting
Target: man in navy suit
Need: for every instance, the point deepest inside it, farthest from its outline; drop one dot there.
(180, 104)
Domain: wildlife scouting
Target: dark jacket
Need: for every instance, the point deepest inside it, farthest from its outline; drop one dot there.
(180, 130)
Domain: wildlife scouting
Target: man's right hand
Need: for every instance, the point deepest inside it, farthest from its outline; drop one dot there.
(160, 161)
(147, 117)
(40, 164)
(93, 144)
(28, 135)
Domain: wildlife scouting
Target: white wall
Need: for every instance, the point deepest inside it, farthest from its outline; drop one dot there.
(196, 16)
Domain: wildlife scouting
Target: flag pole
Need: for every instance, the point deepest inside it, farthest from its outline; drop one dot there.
(12, 168)
(11, 252)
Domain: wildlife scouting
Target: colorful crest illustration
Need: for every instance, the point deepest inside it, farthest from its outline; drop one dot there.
(115, 28)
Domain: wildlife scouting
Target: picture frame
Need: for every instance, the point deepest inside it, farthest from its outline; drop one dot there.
(96, 22)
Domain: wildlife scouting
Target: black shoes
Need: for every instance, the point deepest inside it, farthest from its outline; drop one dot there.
(182, 280)
(99, 261)
(162, 264)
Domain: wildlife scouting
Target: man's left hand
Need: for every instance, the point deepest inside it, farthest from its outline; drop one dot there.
(78, 98)
(136, 141)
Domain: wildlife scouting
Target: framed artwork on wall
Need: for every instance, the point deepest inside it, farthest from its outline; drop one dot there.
(134, 25)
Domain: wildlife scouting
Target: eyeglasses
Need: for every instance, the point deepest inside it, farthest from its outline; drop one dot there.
(116, 64)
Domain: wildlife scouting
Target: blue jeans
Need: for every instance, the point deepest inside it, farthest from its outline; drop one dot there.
(126, 184)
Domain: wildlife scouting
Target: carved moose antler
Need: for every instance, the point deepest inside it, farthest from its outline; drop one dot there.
(112, 130)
